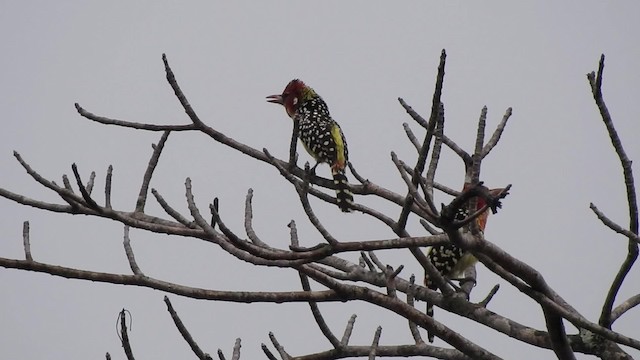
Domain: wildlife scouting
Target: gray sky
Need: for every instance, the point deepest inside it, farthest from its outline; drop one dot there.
(360, 58)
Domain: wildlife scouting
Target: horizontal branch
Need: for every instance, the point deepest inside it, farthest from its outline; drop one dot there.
(129, 124)
(187, 291)
(387, 351)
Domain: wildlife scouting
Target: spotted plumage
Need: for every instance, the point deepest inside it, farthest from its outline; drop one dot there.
(320, 135)
(450, 260)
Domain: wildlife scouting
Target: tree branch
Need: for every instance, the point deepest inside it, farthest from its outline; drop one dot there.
(632, 248)
(184, 332)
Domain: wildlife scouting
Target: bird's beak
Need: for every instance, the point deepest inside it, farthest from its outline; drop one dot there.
(275, 99)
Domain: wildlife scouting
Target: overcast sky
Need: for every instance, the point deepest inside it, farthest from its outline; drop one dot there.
(360, 58)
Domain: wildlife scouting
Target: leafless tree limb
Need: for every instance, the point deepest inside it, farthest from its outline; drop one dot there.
(435, 159)
(410, 301)
(493, 141)
(171, 211)
(489, 296)
(184, 332)
(625, 306)
(107, 187)
(411, 136)
(92, 179)
(267, 352)
(236, 350)
(283, 354)
(25, 241)
(374, 343)
(66, 183)
(315, 311)
(613, 226)
(248, 217)
(146, 179)
(124, 336)
(129, 251)
(85, 195)
(632, 249)
(347, 331)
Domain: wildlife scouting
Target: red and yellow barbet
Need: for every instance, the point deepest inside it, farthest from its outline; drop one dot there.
(319, 133)
(450, 260)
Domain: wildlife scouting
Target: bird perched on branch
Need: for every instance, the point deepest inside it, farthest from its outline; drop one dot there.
(450, 260)
(319, 133)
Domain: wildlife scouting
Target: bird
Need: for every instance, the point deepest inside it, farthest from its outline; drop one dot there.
(450, 260)
(319, 133)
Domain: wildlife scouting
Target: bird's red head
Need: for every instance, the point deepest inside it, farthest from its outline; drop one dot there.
(293, 95)
(480, 203)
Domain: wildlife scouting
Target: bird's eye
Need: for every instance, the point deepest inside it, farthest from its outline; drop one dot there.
(295, 100)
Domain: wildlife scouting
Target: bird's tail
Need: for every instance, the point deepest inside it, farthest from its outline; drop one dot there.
(344, 196)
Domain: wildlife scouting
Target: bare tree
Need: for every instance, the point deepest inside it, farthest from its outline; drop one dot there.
(370, 280)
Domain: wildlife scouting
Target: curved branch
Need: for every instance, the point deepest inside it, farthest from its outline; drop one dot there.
(632, 249)
(173, 288)
(146, 179)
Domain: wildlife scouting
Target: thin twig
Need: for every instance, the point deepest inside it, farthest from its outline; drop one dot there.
(107, 187)
(365, 259)
(107, 121)
(184, 332)
(625, 306)
(390, 276)
(293, 233)
(435, 159)
(302, 190)
(493, 141)
(236, 350)
(413, 328)
(85, 195)
(428, 227)
(374, 343)
(446, 189)
(25, 241)
(348, 330)
(66, 183)
(613, 226)
(435, 109)
(267, 352)
(377, 261)
(171, 78)
(356, 174)
(411, 136)
(124, 337)
(248, 217)
(146, 179)
(489, 296)
(473, 177)
(215, 209)
(171, 211)
(92, 179)
(317, 315)
(466, 158)
(283, 354)
(129, 251)
(414, 115)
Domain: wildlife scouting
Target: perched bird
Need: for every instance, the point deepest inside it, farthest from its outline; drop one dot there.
(319, 133)
(450, 260)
